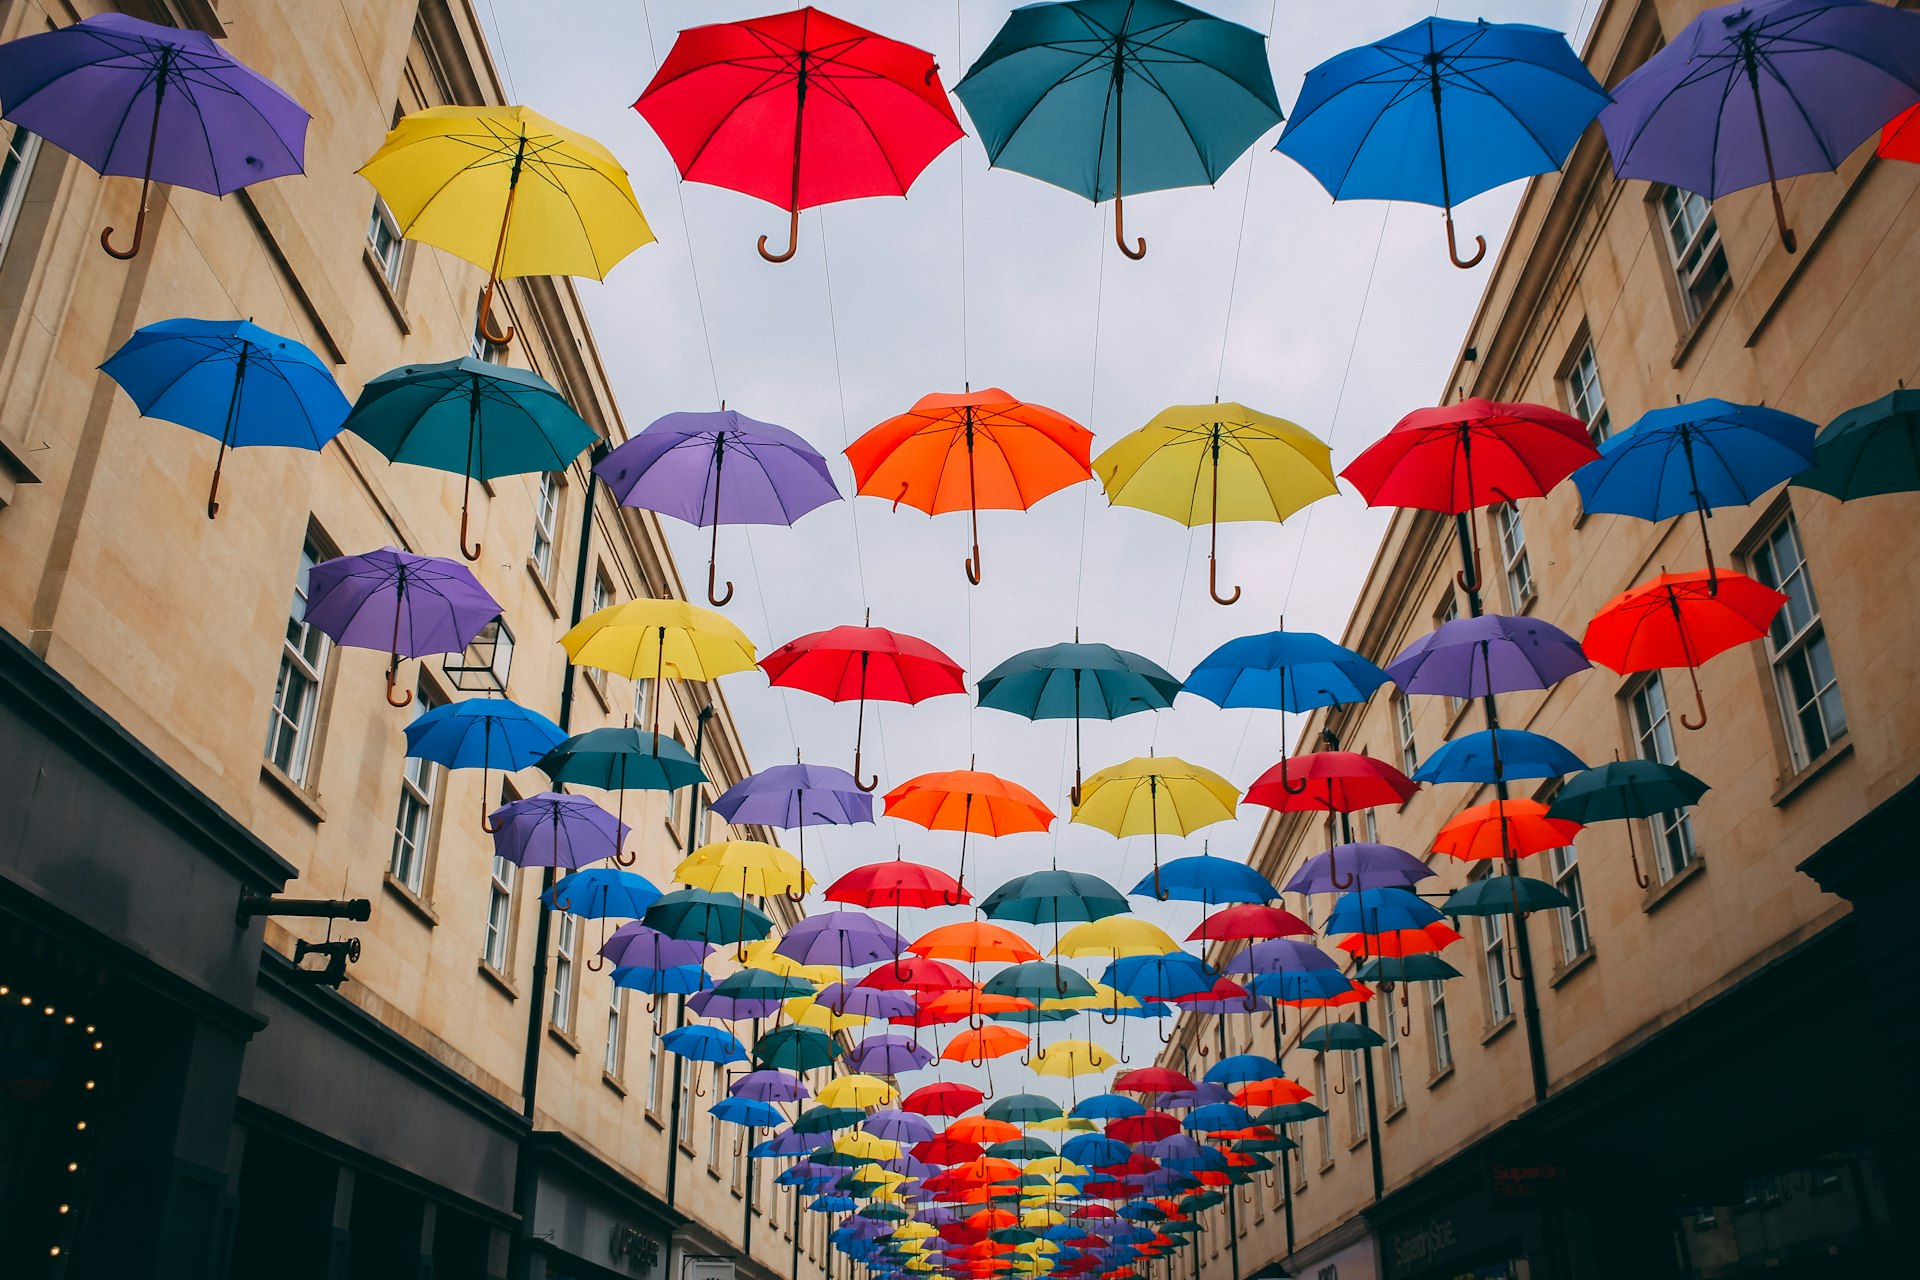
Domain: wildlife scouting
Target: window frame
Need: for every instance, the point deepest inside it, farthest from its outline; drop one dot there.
(502, 894)
(1404, 733)
(1581, 377)
(302, 767)
(423, 789)
(1801, 641)
(564, 998)
(1510, 535)
(613, 1058)
(1575, 928)
(1692, 263)
(1396, 1076)
(21, 154)
(1650, 732)
(656, 1070)
(544, 553)
(1493, 961)
(1440, 1027)
(391, 258)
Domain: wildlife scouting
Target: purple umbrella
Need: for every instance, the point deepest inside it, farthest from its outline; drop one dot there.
(131, 98)
(1762, 90)
(794, 797)
(788, 1143)
(1494, 653)
(676, 466)
(768, 1085)
(396, 601)
(865, 1002)
(888, 1055)
(898, 1126)
(555, 830)
(1281, 955)
(1369, 866)
(914, 1169)
(715, 1003)
(636, 944)
(843, 938)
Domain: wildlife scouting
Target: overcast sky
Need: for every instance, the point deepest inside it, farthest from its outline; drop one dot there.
(1341, 317)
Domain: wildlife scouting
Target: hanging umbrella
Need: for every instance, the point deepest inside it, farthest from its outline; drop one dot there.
(1693, 458)
(473, 418)
(1257, 467)
(1331, 782)
(971, 941)
(990, 1041)
(900, 1126)
(509, 191)
(795, 1049)
(1073, 1058)
(897, 884)
(702, 913)
(599, 892)
(888, 1055)
(764, 984)
(769, 1086)
(943, 1099)
(1248, 921)
(1870, 449)
(1038, 981)
(679, 980)
(860, 663)
(856, 1090)
(865, 1002)
(1368, 866)
(406, 605)
(676, 466)
(795, 797)
(1762, 90)
(1494, 653)
(841, 938)
(917, 974)
(1064, 86)
(131, 98)
(749, 1112)
(1016, 454)
(1284, 671)
(704, 1044)
(1050, 897)
(555, 830)
(1681, 619)
(970, 802)
(483, 733)
(1440, 112)
(659, 638)
(622, 760)
(1207, 880)
(1626, 789)
(1500, 895)
(227, 379)
(1152, 794)
(799, 109)
(1496, 755)
(1114, 936)
(1501, 827)
(750, 868)
(1081, 681)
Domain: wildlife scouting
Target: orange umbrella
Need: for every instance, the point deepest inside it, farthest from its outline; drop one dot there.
(968, 801)
(973, 940)
(988, 1042)
(983, 1131)
(1271, 1093)
(993, 1219)
(971, 451)
(972, 1004)
(1400, 942)
(1500, 827)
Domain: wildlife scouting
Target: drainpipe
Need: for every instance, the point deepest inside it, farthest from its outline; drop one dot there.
(1366, 1058)
(680, 1004)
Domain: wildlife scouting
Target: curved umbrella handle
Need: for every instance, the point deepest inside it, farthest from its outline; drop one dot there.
(1453, 247)
(1139, 248)
(1333, 873)
(393, 673)
(793, 240)
(698, 1073)
(653, 1007)
(139, 232)
(1156, 1031)
(471, 553)
(1633, 856)
(483, 323)
(1699, 701)
(1285, 784)
(625, 859)
(1471, 585)
(1341, 1085)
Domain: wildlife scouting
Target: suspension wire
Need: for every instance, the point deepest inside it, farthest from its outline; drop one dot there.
(500, 43)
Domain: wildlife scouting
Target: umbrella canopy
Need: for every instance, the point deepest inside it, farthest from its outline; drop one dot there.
(1110, 97)
(228, 379)
(509, 191)
(971, 941)
(1154, 794)
(749, 1112)
(663, 639)
(704, 1044)
(1157, 978)
(1457, 457)
(795, 797)
(865, 1002)
(133, 98)
(1037, 980)
(1683, 619)
(1368, 866)
(795, 1049)
(1114, 936)
(1050, 897)
(622, 760)
(1499, 895)
(1204, 463)
(1871, 448)
(1015, 454)
(1626, 789)
(716, 917)
(1341, 1036)
(1331, 781)
(679, 466)
(751, 868)
(1748, 93)
(1284, 671)
(798, 109)
(484, 734)
(943, 1099)
(1073, 1058)
(555, 830)
(1077, 681)
(769, 1086)
(897, 884)
(600, 892)
(1440, 112)
(856, 1091)
(970, 802)
(842, 938)
(856, 664)
(1495, 755)
(990, 1041)
(1248, 920)
(1500, 828)
(1415, 968)
(634, 945)
(1208, 880)
(400, 603)
(474, 418)
(888, 1056)
(1493, 653)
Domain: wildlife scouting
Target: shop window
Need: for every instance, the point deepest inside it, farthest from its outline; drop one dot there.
(546, 519)
(389, 247)
(1513, 556)
(292, 727)
(1653, 740)
(16, 171)
(413, 826)
(565, 953)
(1585, 398)
(1698, 259)
(1797, 647)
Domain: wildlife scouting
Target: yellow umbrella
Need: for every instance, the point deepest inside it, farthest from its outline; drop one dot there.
(511, 192)
(856, 1091)
(803, 1012)
(1065, 1124)
(1154, 794)
(1114, 937)
(662, 638)
(913, 1231)
(1204, 463)
(1051, 1167)
(919, 1264)
(883, 1180)
(1041, 1219)
(746, 867)
(1073, 1058)
(761, 955)
(864, 1146)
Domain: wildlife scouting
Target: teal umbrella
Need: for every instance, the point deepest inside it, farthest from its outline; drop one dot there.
(714, 916)
(622, 760)
(1077, 681)
(1289, 1113)
(1024, 1108)
(795, 1049)
(1499, 895)
(1626, 789)
(1870, 449)
(827, 1119)
(472, 418)
(1103, 97)
(1341, 1035)
(1021, 1149)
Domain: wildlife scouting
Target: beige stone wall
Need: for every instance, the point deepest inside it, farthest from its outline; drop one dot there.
(174, 624)
(1813, 333)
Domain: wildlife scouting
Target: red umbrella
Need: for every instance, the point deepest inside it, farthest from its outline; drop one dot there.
(897, 884)
(916, 974)
(1680, 620)
(945, 1150)
(943, 1099)
(1152, 1080)
(1337, 781)
(1900, 140)
(1456, 457)
(1247, 920)
(1150, 1127)
(849, 664)
(799, 109)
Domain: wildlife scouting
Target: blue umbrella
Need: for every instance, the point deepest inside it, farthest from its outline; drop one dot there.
(1495, 755)
(1310, 984)
(599, 892)
(1207, 880)
(1096, 1149)
(483, 734)
(677, 980)
(1102, 1106)
(1217, 1117)
(1380, 911)
(230, 380)
(1440, 112)
(1165, 977)
(704, 1044)
(749, 1112)
(1284, 671)
(1696, 457)
(1241, 1068)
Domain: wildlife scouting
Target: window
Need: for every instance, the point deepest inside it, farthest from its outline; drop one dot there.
(386, 242)
(654, 1072)
(566, 947)
(1326, 1120)
(1396, 1080)
(686, 1108)
(1369, 825)
(1493, 944)
(1513, 555)
(303, 665)
(1575, 941)
(16, 170)
(713, 1143)
(413, 821)
(546, 516)
(602, 589)
(484, 348)
(1442, 1027)
(1797, 646)
(1449, 610)
(1585, 399)
(1693, 238)
(614, 1060)
(1357, 1092)
(1403, 730)
(1653, 739)
(496, 951)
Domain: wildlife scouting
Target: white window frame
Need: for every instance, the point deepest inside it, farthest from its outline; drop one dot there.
(16, 172)
(713, 1144)
(613, 1061)
(1651, 716)
(1396, 1078)
(1403, 732)
(1512, 535)
(1447, 612)
(387, 243)
(292, 723)
(1493, 955)
(496, 950)
(1797, 644)
(674, 810)
(1325, 1121)
(1576, 932)
(686, 1109)
(1692, 236)
(655, 1074)
(1586, 397)
(1357, 1093)
(566, 946)
(1440, 1023)
(421, 783)
(546, 524)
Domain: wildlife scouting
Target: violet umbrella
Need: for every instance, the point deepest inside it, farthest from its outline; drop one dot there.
(404, 604)
(135, 99)
(1760, 90)
(843, 938)
(888, 1055)
(1492, 653)
(794, 797)
(635, 943)
(552, 829)
(1365, 866)
(850, 999)
(767, 1085)
(676, 467)
(729, 1007)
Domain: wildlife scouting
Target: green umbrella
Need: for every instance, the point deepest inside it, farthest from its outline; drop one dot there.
(1013, 1235)
(1038, 980)
(1021, 1149)
(884, 1213)
(1290, 1113)
(715, 916)
(1626, 789)
(1050, 897)
(472, 418)
(763, 984)
(1341, 1035)
(1035, 1015)
(1024, 1108)
(796, 1049)
(1870, 449)
(622, 760)
(827, 1119)
(1499, 895)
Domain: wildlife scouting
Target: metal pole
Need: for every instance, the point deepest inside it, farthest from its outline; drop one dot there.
(1366, 1055)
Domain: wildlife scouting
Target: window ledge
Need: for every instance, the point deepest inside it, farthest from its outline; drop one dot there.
(1399, 1109)
(565, 1038)
(654, 1119)
(1659, 893)
(545, 587)
(612, 1082)
(411, 900)
(1497, 1029)
(387, 295)
(500, 980)
(1699, 325)
(1836, 751)
(1325, 1165)
(1441, 1076)
(304, 801)
(1359, 1141)
(1567, 968)
(687, 1149)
